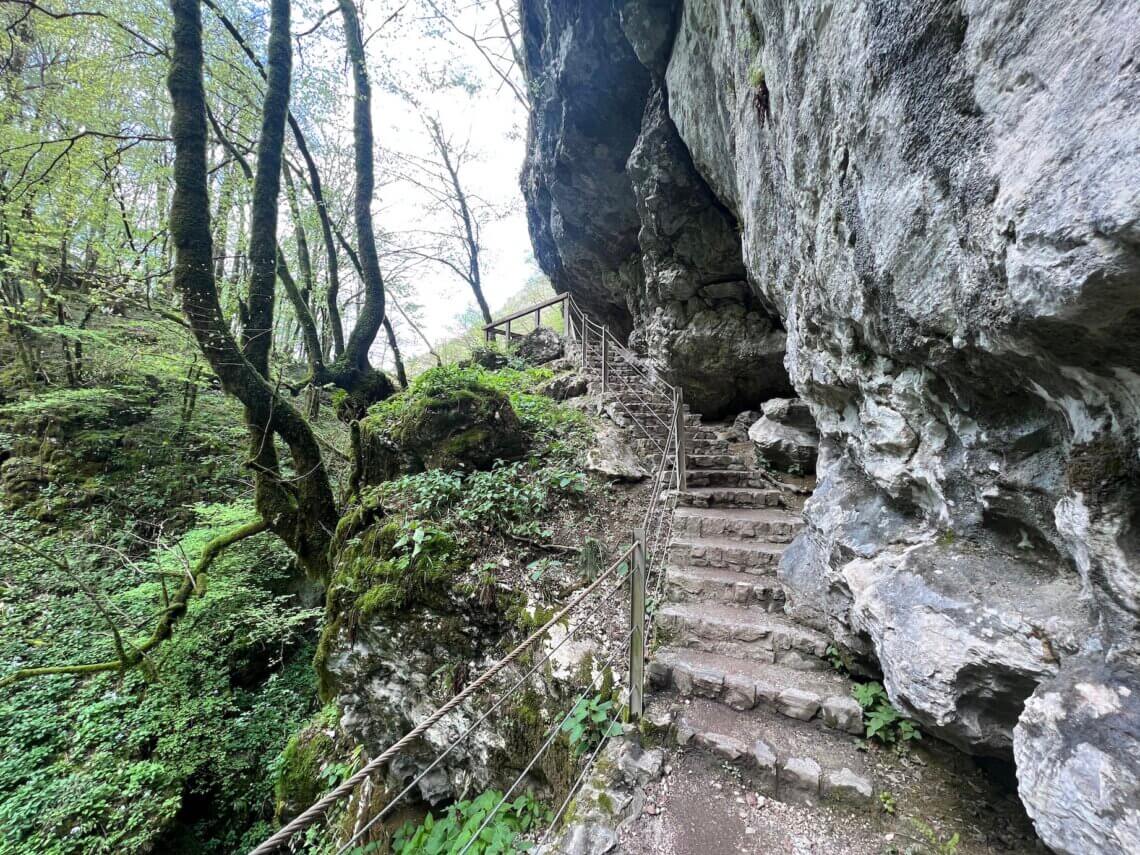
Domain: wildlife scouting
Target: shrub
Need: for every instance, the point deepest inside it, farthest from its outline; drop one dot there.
(452, 832)
(881, 720)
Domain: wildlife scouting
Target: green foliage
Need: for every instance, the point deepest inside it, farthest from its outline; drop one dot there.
(453, 831)
(881, 720)
(836, 659)
(175, 756)
(887, 803)
(509, 497)
(924, 840)
(591, 721)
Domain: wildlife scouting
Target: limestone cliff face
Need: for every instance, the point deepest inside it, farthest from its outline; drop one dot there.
(928, 214)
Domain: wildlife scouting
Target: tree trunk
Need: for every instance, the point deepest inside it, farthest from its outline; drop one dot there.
(300, 510)
(470, 227)
(371, 315)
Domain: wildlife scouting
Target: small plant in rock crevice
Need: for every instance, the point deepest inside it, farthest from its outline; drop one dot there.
(836, 659)
(882, 721)
(589, 723)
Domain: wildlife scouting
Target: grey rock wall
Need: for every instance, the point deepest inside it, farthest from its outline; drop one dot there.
(933, 209)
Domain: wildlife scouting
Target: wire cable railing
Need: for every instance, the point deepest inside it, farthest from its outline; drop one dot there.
(622, 375)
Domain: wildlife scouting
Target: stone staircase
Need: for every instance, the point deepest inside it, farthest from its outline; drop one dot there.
(732, 678)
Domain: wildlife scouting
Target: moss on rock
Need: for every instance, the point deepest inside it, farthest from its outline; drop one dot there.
(449, 419)
(298, 782)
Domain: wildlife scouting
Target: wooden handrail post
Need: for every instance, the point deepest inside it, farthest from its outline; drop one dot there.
(682, 460)
(508, 333)
(637, 628)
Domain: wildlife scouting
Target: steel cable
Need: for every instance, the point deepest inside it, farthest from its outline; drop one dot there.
(317, 810)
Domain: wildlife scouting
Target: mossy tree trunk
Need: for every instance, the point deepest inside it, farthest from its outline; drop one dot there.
(372, 312)
(301, 509)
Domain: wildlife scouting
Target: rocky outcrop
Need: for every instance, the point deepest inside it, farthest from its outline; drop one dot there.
(670, 264)
(540, 346)
(933, 209)
(785, 436)
(1078, 758)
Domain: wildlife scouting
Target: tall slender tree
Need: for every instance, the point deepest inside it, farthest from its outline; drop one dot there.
(299, 509)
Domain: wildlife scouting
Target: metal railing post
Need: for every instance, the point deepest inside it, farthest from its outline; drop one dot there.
(682, 460)
(605, 359)
(585, 341)
(637, 627)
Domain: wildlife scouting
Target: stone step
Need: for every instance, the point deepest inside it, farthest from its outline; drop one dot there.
(709, 445)
(755, 557)
(788, 760)
(772, 524)
(715, 461)
(702, 584)
(731, 497)
(727, 478)
(742, 631)
(821, 697)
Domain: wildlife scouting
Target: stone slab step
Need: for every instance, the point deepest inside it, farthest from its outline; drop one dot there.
(821, 697)
(742, 631)
(727, 478)
(772, 524)
(757, 558)
(788, 760)
(739, 497)
(715, 461)
(702, 584)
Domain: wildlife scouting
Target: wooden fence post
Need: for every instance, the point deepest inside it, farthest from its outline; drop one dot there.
(637, 628)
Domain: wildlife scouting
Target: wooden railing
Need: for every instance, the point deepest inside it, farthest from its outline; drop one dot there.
(502, 326)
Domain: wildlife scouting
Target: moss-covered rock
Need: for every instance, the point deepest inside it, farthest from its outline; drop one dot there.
(448, 419)
(299, 782)
(383, 566)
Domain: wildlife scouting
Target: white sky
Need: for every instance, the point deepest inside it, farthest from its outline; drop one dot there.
(494, 122)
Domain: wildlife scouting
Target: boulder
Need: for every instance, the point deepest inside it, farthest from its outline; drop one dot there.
(738, 432)
(456, 423)
(964, 632)
(490, 358)
(540, 346)
(564, 386)
(22, 479)
(1077, 747)
(612, 458)
(785, 436)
